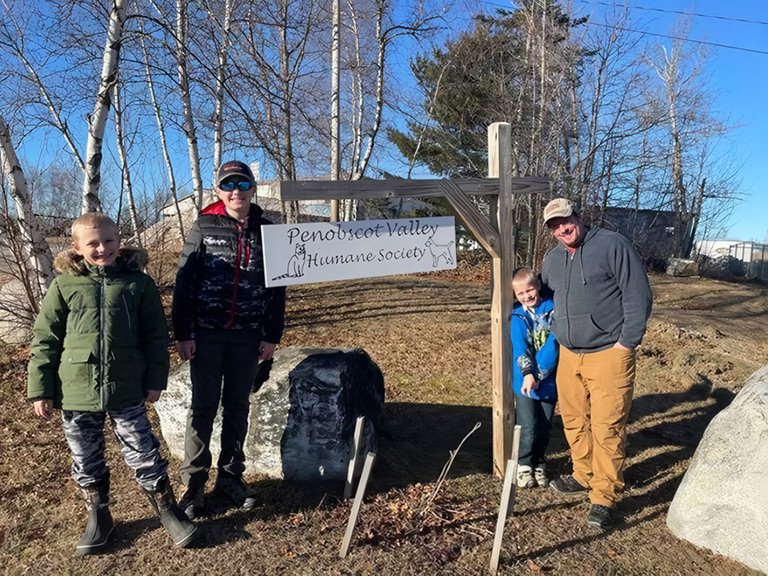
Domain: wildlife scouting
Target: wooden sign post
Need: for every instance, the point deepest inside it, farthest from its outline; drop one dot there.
(496, 237)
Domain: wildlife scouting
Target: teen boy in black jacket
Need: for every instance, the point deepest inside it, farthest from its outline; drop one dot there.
(225, 321)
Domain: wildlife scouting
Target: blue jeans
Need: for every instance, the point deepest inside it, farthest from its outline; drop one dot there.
(535, 420)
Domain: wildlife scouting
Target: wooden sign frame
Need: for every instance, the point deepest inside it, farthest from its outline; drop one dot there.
(497, 237)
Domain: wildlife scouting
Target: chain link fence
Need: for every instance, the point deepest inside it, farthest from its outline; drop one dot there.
(755, 258)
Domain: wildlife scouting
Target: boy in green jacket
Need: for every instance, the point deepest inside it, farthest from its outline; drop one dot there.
(101, 348)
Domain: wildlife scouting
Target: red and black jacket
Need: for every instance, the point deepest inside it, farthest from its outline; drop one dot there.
(220, 282)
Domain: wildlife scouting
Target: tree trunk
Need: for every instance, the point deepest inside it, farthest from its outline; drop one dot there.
(186, 99)
(335, 145)
(678, 184)
(98, 118)
(124, 161)
(288, 161)
(37, 257)
(218, 121)
(380, 58)
(163, 141)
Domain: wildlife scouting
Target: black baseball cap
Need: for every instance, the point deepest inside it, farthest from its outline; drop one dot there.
(234, 168)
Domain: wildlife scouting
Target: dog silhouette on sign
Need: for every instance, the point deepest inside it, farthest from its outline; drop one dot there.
(439, 251)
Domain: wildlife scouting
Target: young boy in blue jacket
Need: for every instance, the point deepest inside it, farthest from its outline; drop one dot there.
(534, 350)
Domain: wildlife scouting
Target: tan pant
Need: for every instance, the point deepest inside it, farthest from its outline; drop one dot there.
(595, 394)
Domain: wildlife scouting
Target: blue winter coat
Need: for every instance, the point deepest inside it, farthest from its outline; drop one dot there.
(534, 349)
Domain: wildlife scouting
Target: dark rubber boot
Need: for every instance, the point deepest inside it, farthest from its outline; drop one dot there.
(100, 525)
(192, 502)
(173, 519)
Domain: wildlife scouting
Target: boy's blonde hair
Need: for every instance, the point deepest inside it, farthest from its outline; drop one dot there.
(92, 220)
(526, 275)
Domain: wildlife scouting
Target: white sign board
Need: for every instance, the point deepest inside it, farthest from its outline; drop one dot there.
(324, 251)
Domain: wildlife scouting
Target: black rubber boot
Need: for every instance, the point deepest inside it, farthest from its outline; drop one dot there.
(192, 502)
(173, 519)
(100, 525)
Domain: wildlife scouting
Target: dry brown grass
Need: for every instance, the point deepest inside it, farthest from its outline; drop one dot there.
(430, 335)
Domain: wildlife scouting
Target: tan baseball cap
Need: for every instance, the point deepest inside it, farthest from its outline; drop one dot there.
(557, 208)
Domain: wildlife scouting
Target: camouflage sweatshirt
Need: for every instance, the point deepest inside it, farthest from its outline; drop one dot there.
(220, 282)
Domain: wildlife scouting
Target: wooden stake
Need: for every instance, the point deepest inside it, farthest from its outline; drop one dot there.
(353, 456)
(356, 505)
(513, 459)
(507, 500)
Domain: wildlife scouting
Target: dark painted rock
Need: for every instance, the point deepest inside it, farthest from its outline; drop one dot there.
(302, 418)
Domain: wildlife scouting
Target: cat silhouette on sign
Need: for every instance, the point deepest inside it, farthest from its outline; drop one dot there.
(439, 251)
(295, 268)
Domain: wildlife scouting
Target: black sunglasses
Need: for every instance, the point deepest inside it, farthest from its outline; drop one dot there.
(242, 185)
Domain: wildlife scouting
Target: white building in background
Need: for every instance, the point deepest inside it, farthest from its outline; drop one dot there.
(722, 248)
(266, 196)
(754, 255)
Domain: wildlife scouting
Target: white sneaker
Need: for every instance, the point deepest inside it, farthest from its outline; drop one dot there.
(525, 477)
(540, 474)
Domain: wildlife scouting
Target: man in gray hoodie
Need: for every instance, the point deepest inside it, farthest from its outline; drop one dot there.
(602, 303)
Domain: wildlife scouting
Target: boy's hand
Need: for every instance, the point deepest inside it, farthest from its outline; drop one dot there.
(186, 349)
(529, 383)
(153, 395)
(266, 350)
(43, 408)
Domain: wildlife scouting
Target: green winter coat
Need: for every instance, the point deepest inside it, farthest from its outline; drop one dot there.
(100, 340)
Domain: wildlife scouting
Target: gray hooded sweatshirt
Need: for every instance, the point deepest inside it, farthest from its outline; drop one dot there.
(602, 295)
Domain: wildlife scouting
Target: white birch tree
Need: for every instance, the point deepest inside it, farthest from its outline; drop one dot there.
(36, 260)
(221, 73)
(98, 117)
(186, 99)
(126, 171)
(163, 139)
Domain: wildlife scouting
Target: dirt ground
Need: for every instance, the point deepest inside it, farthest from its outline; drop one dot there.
(431, 337)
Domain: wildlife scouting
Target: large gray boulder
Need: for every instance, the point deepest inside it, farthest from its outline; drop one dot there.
(722, 502)
(302, 419)
(682, 267)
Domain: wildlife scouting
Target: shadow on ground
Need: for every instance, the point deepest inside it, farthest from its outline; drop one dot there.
(417, 439)
(679, 422)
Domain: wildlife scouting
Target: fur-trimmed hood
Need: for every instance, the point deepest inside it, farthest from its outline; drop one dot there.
(72, 263)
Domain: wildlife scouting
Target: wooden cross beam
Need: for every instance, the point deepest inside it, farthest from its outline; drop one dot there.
(497, 238)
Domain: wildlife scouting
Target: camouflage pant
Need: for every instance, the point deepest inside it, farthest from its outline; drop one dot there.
(140, 448)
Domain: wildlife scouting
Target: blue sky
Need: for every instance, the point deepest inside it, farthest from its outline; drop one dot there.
(740, 79)
(738, 76)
